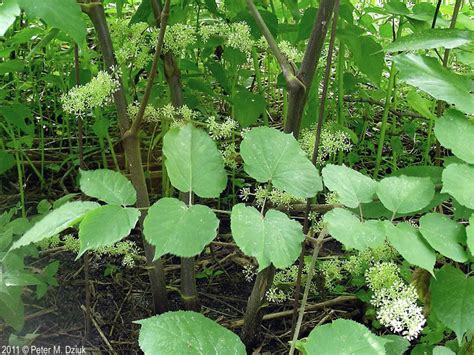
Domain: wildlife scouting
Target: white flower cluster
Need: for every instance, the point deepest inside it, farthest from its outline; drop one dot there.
(131, 43)
(283, 282)
(236, 35)
(178, 38)
(230, 155)
(178, 116)
(276, 197)
(332, 141)
(356, 265)
(249, 272)
(332, 272)
(221, 130)
(151, 113)
(96, 93)
(291, 53)
(396, 302)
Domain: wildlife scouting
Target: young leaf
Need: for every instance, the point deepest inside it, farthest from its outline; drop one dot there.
(274, 239)
(65, 15)
(9, 10)
(108, 186)
(105, 226)
(187, 333)
(347, 228)
(429, 75)
(455, 131)
(344, 336)
(7, 161)
(408, 242)
(174, 228)
(452, 299)
(11, 306)
(457, 181)
(248, 107)
(193, 162)
(470, 234)
(271, 155)
(55, 222)
(442, 350)
(431, 38)
(405, 194)
(352, 187)
(398, 345)
(444, 235)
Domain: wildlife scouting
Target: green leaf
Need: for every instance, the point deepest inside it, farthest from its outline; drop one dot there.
(457, 181)
(352, 187)
(7, 161)
(397, 346)
(190, 333)
(271, 155)
(105, 226)
(470, 234)
(429, 75)
(442, 350)
(420, 104)
(444, 235)
(344, 337)
(455, 131)
(405, 194)
(174, 228)
(9, 10)
(248, 107)
(12, 310)
(108, 186)
(431, 38)
(193, 162)
(347, 228)
(65, 15)
(273, 239)
(452, 299)
(55, 222)
(408, 242)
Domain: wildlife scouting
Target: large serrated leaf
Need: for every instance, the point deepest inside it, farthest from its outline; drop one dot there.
(409, 243)
(405, 194)
(108, 186)
(187, 333)
(273, 239)
(106, 226)
(347, 228)
(429, 75)
(352, 187)
(55, 222)
(431, 38)
(455, 131)
(344, 337)
(452, 299)
(65, 15)
(457, 181)
(172, 227)
(193, 162)
(271, 155)
(444, 235)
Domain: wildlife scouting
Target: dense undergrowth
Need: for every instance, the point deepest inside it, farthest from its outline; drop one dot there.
(231, 177)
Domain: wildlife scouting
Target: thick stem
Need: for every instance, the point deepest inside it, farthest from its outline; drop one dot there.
(298, 95)
(254, 311)
(131, 146)
(314, 159)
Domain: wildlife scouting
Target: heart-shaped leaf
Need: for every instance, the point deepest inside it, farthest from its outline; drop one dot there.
(273, 239)
(444, 235)
(344, 336)
(193, 162)
(174, 228)
(405, 194)
(105, 226)
(457, 181)
(108, 186)
(271, 155)
(347, 228)
(187, 333)
(452, 299)
(352, 187)
(55, 222)
(409, 243)
(455, 131)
